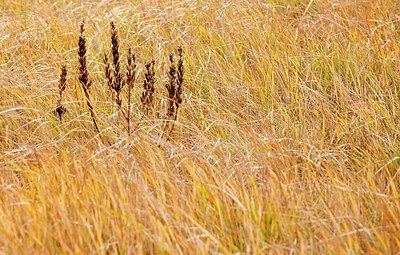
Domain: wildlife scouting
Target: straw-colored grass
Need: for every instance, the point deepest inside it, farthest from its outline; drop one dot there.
(287, 140)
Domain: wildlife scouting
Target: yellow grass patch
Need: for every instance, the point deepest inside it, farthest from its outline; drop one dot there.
(287, 140)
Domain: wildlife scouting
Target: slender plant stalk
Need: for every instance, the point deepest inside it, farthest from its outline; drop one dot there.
(107, 71)
(60, 109)
(130, 81)
(117, 81)
(179, 82)
(148, 88)
(171, 89)
(175, 90)
(84, 74)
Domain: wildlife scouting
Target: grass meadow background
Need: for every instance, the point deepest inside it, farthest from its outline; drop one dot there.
(287, 142)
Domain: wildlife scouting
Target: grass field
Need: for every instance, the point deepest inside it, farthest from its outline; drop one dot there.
(287, 140)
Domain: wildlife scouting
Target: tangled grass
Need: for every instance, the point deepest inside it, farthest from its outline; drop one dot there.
(287, 139)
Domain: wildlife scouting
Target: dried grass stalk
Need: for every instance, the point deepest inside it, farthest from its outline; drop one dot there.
(84, 74)
(171, 88)
(60, 109)
(117, 83)
(130, 81)
(175, 90)
(107, 72)
(147, 98)
(179, 82)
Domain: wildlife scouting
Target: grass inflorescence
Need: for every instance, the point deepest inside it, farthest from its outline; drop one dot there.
(60, 109)
(147, 97)
(84, 75)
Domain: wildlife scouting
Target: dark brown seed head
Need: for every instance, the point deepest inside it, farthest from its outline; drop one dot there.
(84, 74)
(171, 87)
(60, 111)
(117, 83)
(107, 71)
(63, 79)
(83, 70)
(171, 74)
(83, 27)
(175, 90)
(131, 69)
(148, 87)
(179, 81)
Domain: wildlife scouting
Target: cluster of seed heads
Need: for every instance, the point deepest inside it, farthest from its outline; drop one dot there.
(174, 89)
(116, 82)
(114, 78)
(171, 87)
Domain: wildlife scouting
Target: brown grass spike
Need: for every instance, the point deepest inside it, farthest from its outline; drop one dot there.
(148, 86)
(130, 81)
(171, 87)
(84, 74)
(60, 109)
(179, 82)
(117, 81)
(107, 71)
(175, 90)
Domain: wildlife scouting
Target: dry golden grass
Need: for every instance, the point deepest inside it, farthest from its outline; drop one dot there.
(287, 142)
